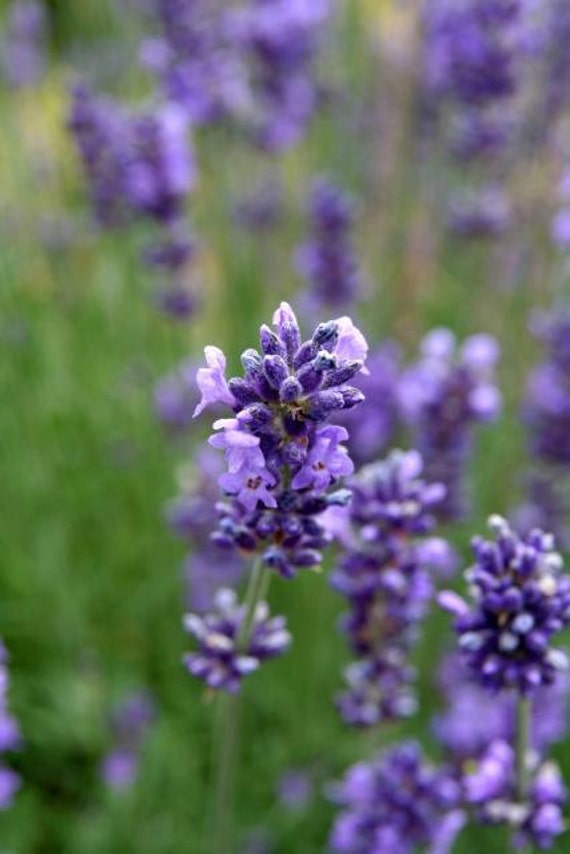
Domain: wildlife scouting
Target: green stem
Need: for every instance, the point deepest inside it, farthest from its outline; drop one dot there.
(523, 746)
(227, 725)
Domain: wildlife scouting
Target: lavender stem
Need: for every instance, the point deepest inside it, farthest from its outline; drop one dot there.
(522, 748)
(227, 734)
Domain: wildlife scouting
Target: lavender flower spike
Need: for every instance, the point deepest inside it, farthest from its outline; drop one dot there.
(521, 600)
(219, 661)
(284, 458)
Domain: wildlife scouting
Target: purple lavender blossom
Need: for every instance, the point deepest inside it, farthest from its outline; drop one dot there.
(521, 600)
(261, 209)
(535, 820)
(372, 426)
(283, 456)
(279, 41)
(385, 578)
(130, 722)
(196, 59)
(23, 51)
(327, 259)
(295, 789)
(399, 803)
(442, 397)
(219, 660)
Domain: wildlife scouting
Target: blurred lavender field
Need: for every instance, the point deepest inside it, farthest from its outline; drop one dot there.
(174, 174)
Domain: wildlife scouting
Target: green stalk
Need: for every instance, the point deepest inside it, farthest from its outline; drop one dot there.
(522, 751)
(227, 725)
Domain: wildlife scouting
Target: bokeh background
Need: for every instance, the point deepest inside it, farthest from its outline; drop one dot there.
(92, 591)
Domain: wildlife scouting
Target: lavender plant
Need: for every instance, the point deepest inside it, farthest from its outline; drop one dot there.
(521, 600)
(285, 461)
(130, 722)
(10, 737)
(443, 396)
(384, 575)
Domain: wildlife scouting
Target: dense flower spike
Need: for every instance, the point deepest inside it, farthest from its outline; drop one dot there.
(130, 722)
(491, 787)
(279, 41)
(474, 55)
(283, 457)
(223, 658)
(521, 600)
(442, 397)
(397, 803)
(10, 737)
(327, 260)
(23, 47)
(196, 59)
(193, 517)
(135, 164)
(384, 575)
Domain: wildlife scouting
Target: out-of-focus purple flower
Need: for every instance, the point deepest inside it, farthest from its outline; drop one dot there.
(283, 455)
(397, 803)
(386, 580)
(130, 722)
(521, 599)
(537, 818)
(279, 42)
(295, 789)
(442, 397)
(371, 427)
(219, 660)
(196, 59)
(327, 259)
(23, 47)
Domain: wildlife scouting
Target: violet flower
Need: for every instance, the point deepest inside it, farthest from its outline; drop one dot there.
(219, 661)
(130, 722)
(521, 600)
(397, 803)
(384, 575)
(279, 42)
(283, 456)
(327, 259)
(491, 787)
(443, 396)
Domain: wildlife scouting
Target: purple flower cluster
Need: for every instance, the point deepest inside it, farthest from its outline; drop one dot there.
(397, 803)
(473, 59)
(23, 45)
(175, 397)
(10, 737)
(130, 722)
(283, 457)
(227, 650)
(521, 599)
(443, 396)
(491, 789)
(196, 59)
(384, 575)
(327, 260)
(193, 517)
(279, 41)
(135, 164)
